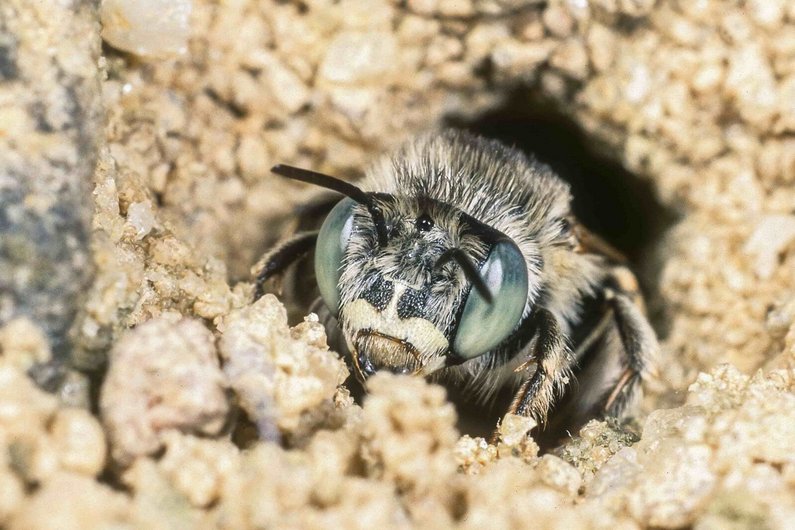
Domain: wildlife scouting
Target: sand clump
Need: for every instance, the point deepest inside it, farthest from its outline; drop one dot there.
(215, 413)
(284, 379)
(144, 395)
(398, 461)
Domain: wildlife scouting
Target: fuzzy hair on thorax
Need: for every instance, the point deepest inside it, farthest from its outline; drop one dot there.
(503, 188)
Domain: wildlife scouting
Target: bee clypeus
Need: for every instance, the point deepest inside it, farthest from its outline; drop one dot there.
(459, 259)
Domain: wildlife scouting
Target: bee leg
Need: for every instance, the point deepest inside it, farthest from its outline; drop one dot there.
(637, 337)
(553, 360)
(602, 326)
(280, 257)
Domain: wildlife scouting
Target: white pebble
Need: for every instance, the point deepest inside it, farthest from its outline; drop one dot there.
(768, 240)
(355, 57)
(141, 217)
(639, 84)
(150, 28)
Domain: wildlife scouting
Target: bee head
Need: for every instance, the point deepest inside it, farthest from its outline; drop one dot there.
(416, 284)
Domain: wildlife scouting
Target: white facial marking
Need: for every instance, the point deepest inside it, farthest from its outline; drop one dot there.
(422, 334)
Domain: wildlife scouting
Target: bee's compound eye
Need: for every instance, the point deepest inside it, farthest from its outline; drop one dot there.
(484, 325)
(330, 249)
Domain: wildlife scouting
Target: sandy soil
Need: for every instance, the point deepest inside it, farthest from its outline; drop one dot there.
(210, 411)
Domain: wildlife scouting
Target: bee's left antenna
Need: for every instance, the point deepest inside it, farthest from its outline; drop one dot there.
(340, 186)
(470, 271)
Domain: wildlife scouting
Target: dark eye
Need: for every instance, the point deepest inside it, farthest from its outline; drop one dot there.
(330, 249)
(485, 325)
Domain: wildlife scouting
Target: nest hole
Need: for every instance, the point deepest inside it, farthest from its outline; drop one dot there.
(613, 202)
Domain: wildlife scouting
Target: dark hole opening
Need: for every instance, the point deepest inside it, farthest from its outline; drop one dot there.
(608, 199)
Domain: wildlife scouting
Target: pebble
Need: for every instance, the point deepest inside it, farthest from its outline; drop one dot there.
(149, 28)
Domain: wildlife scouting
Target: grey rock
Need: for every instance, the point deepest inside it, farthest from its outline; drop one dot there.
(49, 132)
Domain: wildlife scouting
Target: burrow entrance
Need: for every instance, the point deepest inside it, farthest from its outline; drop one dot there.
(608, 199)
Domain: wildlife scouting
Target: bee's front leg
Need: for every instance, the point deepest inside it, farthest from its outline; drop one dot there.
(280, 257)
(552, 360)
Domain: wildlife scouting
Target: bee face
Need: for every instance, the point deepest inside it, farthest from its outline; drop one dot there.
(400, 306)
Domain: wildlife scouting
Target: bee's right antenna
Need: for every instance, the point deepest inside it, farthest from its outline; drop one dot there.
(340, 186)
(470, 271)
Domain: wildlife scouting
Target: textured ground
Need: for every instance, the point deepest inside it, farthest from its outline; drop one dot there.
(201, 99)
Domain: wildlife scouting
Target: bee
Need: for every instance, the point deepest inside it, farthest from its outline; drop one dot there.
(459, 259)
